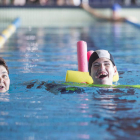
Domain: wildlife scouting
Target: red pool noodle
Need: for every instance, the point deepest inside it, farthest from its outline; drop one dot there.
(82, 56)
(89, 54)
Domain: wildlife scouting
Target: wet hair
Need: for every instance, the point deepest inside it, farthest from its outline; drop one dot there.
(3, 63)
(99, 54)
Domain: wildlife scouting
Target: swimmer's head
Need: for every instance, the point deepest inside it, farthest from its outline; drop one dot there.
(4, 76)
(102, 67)
(99, 54)
(115, 13)
(3, 63)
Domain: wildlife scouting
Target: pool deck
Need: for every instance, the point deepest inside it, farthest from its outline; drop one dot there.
(51, 17)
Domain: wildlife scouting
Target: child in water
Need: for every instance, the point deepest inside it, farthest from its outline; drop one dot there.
(115, 17)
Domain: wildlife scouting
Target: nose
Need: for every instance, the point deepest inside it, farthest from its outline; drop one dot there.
(1, 80)
(102, 67)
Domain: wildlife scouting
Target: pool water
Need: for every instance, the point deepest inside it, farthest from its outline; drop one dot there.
(38, 106)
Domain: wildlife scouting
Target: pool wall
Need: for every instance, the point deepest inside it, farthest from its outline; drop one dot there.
(48, 17)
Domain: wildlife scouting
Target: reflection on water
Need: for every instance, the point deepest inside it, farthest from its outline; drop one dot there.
(39, 107)
(38, 104)
(4, 97)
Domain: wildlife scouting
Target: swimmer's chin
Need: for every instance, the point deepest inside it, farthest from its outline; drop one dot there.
(103, 83)
(4, 91)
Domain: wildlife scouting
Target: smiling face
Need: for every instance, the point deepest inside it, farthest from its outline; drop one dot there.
(4, 79)
(102, 71)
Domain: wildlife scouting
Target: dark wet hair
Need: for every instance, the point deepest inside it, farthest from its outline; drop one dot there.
(3, 63)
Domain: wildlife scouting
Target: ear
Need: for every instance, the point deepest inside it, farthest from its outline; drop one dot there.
(115, 70)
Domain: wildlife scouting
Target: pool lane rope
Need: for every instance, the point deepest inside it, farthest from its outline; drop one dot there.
(135, 23)
(6, 33)
(82, 75)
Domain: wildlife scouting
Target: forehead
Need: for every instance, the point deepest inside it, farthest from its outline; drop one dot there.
(102, 60)
(3, 69)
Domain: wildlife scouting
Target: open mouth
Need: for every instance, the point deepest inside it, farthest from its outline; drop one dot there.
(1, 87)
(102, 75)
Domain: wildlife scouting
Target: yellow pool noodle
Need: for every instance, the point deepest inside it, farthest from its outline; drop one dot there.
(2, 40)
(12, 28)
(83, 77)
(6, 33)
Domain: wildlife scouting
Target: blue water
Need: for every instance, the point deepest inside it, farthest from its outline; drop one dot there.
(38, 106)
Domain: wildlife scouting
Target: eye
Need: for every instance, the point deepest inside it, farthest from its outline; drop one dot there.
(4, 76)
(96, 65)
(107, 64)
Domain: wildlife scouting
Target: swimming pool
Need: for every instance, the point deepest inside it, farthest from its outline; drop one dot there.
(32, 110)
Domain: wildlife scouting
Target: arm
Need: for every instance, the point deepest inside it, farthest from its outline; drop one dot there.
(101, 16)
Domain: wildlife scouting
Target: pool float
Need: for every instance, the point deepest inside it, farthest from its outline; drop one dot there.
(82, 56)
(82, 75)
(74, 84)
(5, 34)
